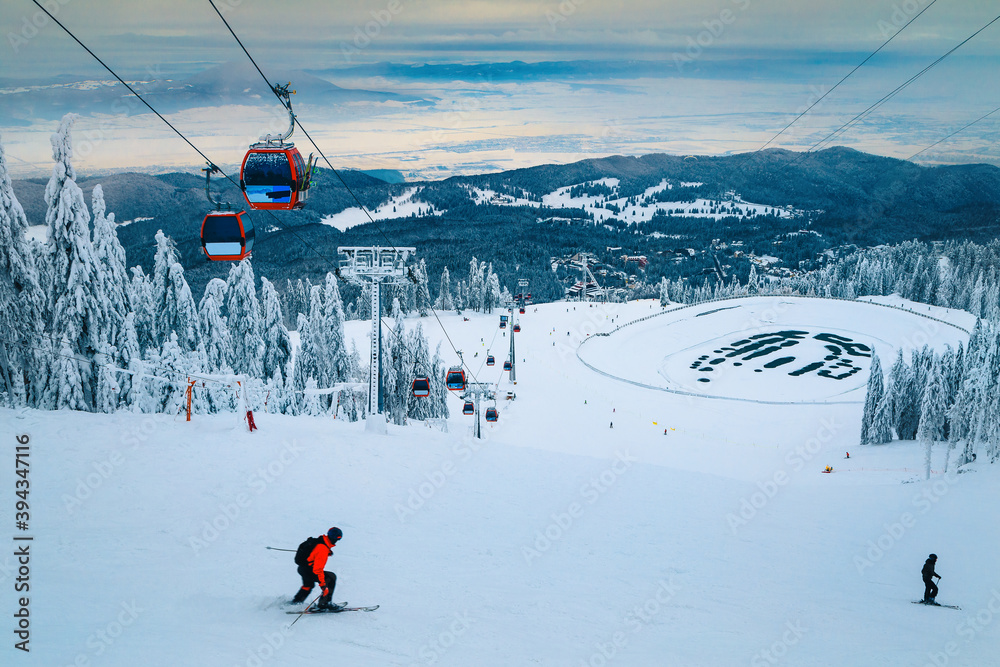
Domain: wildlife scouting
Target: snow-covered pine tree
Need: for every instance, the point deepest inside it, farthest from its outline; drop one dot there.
(215, 329)
(21, 297)
(74, 301)
(178, 314)
(243, 312)
(491, 291)
(129, 357)
(422, 295)
(874, 399)
(140, 296)
(438, 400)
(108, 390)
(164, 258)
(65, 385)
(339, 362)
(111, 260)
(932, 412)
(277, 343)
(444, 300)
(302, 368)
(664, 291)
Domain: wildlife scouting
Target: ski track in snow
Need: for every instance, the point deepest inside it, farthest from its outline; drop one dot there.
(536, 545)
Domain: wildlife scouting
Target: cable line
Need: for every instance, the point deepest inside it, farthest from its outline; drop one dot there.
(896, 90)
(179, 133)
(319, 150)
(847, 76)
(964, 127)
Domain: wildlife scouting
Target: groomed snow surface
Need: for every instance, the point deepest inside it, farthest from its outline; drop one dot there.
(696, 531)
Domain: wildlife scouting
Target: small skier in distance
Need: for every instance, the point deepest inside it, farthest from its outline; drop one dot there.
(311, 558)
(928, 574)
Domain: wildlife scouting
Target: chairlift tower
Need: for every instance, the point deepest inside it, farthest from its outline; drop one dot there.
(374, 266)
(522, 283)
(478, 392)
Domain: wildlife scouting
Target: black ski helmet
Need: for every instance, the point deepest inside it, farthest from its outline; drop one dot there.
(932, 557)
(334, 534)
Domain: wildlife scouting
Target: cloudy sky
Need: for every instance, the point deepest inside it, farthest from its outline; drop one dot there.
(589, 78)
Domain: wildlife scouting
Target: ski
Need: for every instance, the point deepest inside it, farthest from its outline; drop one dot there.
(337, 610)
(936, 604)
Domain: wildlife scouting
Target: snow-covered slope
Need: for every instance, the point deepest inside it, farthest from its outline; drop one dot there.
(696, 531)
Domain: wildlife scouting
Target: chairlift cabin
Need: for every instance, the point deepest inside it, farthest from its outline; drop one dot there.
(517, 328)
(507, 365)
(469, 408)
(492, 415)
(521, 310)
(490, 360)
(273, 175)
(227, 236)
(421, 387)
(455, 379)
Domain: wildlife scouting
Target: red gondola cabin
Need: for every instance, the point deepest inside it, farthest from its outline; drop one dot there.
(227, 236)
(274, 178)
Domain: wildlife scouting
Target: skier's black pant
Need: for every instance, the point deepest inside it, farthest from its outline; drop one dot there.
(930, 589)
(309, 580)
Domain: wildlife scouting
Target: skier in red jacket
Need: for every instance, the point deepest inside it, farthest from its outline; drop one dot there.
(311, 558)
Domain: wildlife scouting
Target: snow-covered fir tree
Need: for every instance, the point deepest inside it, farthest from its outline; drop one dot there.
(873, 432)
(74, 306)
(21, 299)
(112, 273)
(444, 300)
(277, 343)
(215, 336)
(243, 312)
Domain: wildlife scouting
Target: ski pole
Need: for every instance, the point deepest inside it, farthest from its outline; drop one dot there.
(305, 610)
(277, 549)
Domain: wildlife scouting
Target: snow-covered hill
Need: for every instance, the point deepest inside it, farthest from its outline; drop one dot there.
(695, 531)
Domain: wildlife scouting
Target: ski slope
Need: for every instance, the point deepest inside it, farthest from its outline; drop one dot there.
(696, 531)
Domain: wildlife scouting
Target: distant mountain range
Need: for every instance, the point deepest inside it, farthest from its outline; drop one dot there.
(841, 197)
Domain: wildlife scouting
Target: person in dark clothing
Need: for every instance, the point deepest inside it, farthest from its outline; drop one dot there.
(928, 573)
(311, 558)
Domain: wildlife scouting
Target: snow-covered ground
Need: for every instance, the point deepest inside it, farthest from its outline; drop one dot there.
(402, 206)
(696, 531)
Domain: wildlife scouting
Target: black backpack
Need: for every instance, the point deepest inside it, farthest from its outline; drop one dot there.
(306, 548)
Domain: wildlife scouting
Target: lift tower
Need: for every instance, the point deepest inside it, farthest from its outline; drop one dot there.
(374, 266)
